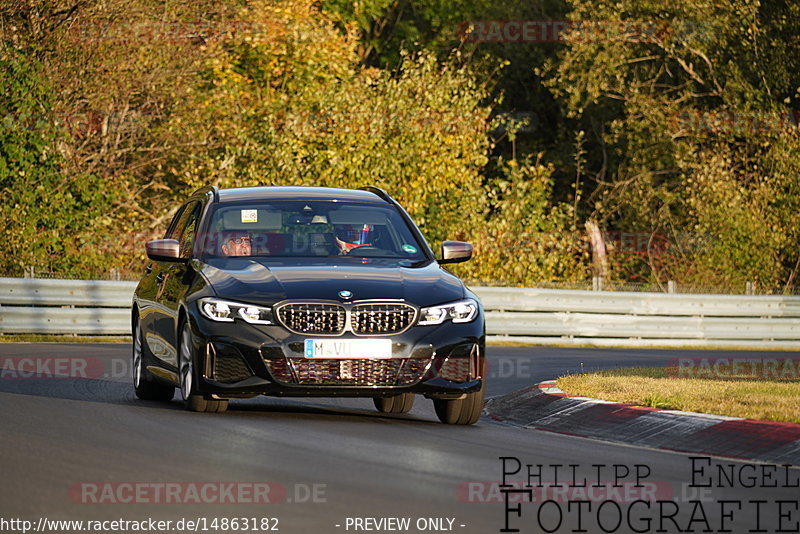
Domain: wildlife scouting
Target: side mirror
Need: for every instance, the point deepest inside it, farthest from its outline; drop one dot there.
(163, 250)
(455, 252)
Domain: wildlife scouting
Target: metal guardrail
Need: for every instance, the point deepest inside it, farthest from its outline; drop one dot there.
(637, 303)
(85, 321)
(525, 315)
(49, 292)
(570, 317)
(43, 306)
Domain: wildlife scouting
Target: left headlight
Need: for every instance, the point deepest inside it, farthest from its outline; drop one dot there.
(226, 311)
(462, 311)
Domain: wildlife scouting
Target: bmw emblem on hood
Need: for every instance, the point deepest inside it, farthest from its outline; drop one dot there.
(345, 294)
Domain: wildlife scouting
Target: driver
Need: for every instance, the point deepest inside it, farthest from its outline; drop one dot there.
(350, 236)
(236, 244)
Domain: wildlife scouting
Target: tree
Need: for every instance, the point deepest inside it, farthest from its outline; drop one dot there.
(687, 132)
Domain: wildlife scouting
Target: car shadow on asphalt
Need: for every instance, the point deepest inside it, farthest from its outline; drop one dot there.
(105, 391)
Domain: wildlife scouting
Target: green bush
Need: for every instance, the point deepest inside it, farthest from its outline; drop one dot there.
(47, 214)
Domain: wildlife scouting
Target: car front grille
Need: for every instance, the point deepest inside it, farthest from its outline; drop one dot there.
(357, 372)
(374, 318)
(307, 318)
(381, 318)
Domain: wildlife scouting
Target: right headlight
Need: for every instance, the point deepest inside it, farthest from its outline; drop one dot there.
(462, 311)
(226, 311)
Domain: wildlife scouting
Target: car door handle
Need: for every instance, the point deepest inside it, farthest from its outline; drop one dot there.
(160, 278)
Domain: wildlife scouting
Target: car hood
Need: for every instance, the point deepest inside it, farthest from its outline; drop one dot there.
(269, 281)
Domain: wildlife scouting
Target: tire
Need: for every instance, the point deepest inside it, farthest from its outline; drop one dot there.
(465, 411)
(193, 400)
(401, 403)
(144, 385)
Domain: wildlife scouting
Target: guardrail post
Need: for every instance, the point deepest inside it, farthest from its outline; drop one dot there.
(597, 283)
(671, 286)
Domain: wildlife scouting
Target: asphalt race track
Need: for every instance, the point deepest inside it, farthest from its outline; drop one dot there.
(82, 447)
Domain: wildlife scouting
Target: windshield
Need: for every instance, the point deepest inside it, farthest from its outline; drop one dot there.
(291, 228)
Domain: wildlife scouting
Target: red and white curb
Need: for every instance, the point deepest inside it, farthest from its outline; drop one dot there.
(546, 407)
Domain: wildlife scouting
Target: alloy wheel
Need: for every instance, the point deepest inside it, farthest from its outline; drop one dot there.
(185, 366)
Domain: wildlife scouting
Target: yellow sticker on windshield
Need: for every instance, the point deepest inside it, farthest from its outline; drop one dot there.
(249, 216)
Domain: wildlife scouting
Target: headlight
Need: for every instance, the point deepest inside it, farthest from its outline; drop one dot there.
(462, 311)
(226, 311)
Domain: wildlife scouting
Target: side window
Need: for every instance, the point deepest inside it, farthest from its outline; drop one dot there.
(187, 228)
(172, 229)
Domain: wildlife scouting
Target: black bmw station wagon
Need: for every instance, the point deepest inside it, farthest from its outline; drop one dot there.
(298, 291)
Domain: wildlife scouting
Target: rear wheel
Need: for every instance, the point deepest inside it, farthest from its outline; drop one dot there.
(464, 411)
(191, 398)
(401, 403)
(143, 383)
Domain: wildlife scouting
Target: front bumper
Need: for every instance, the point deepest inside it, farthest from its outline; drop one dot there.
(240, 359)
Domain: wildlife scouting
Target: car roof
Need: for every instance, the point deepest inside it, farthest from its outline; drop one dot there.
(239, 194)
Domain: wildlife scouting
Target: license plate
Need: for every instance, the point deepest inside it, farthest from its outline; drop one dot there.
(348, 348)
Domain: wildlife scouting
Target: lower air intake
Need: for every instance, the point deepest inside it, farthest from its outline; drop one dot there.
(340, 372)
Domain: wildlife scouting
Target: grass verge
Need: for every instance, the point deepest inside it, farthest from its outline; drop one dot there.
(764, 399)
(53, 338)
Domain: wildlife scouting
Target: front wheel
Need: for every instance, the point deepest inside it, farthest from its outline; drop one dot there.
(464, 411)
(401, 403)
(191, 398)
(143, 384)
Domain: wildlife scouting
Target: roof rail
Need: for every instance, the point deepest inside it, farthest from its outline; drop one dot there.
(378, 191)
(208, 189)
